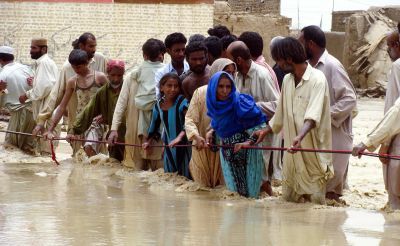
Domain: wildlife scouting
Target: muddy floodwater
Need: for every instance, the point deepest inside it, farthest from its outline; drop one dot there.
(101, 203)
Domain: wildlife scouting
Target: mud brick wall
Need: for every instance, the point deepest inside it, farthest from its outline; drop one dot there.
(121, 29)
(255, 6)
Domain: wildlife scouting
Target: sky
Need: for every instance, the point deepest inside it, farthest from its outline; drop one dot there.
(312, 12)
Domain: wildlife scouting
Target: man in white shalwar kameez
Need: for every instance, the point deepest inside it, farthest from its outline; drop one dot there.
(386, 132)
(88, 43)
(343, 100)
(13, 77)
(98, 62)
(46, 73)
(304, 116)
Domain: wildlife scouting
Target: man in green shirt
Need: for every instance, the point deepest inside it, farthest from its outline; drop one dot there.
(101, 108)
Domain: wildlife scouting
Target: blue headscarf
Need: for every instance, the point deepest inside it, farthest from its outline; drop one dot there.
(236, 114)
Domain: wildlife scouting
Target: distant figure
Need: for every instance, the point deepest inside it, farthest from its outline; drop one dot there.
(13, 77)
(175, 45)
(226, 41)
(219, 31)
(278, 71)
(255, 43)
(214, 48)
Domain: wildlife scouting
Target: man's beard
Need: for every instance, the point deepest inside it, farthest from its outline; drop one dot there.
(114, 85)
(308, 54)
(90, 55)
(198, 69)
(36, 55)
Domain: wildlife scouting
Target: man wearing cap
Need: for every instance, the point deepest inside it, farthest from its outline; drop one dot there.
(46, 73)
(87, 42)
(14, 77)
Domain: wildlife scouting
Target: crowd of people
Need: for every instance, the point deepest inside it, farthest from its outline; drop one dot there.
(216, 99)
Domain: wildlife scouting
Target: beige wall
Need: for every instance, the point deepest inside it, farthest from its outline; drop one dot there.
(335, 44)
(255, 6)
(268, 26)
(120, 29)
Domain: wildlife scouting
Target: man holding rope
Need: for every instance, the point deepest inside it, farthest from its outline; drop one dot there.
(303, 114)
(14, 77)
(101, 109)
(385, 133)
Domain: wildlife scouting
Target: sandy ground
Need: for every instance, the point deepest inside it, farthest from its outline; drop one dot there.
(366, 188)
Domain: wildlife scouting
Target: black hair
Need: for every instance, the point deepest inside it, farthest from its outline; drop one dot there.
(254, 42)
(315, 34)
(214, 46)
(83, 39)
(398, 27)
(78, 57)
(218, 31)
(195, 46)
(153, 48)
(164, 80)
(227, 40)
(175, 38)
(289, 48)
(224, 75)
(6, 57)
(196, 38)
(241, 51)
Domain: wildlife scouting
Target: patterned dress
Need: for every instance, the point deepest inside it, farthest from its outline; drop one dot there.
(95, 131)
(173, 120)
(242, 170)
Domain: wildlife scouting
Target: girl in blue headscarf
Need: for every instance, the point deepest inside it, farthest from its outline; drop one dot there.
(234, 117)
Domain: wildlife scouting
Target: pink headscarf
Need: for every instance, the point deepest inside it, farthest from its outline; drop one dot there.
(115, 64)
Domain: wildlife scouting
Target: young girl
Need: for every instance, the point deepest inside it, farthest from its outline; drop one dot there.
(234, 117)
(170, 111)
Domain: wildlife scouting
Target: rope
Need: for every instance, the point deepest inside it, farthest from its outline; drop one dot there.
(346, 152)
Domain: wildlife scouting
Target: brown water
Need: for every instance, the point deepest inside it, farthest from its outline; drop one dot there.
(41, 204)
(103, 204)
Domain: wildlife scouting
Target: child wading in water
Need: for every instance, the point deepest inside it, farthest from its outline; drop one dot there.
(170, 111)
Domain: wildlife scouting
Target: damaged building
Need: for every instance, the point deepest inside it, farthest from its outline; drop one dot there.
(364, 51)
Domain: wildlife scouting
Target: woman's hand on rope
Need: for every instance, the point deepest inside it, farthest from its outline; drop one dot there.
(240, 146)
(261, 134)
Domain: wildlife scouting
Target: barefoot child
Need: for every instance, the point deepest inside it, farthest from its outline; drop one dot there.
(84, 84)
(170, 112)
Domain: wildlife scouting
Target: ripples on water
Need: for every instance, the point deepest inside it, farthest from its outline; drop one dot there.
(105, 204)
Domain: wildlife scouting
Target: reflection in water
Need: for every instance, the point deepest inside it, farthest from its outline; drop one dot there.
(82, 205)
